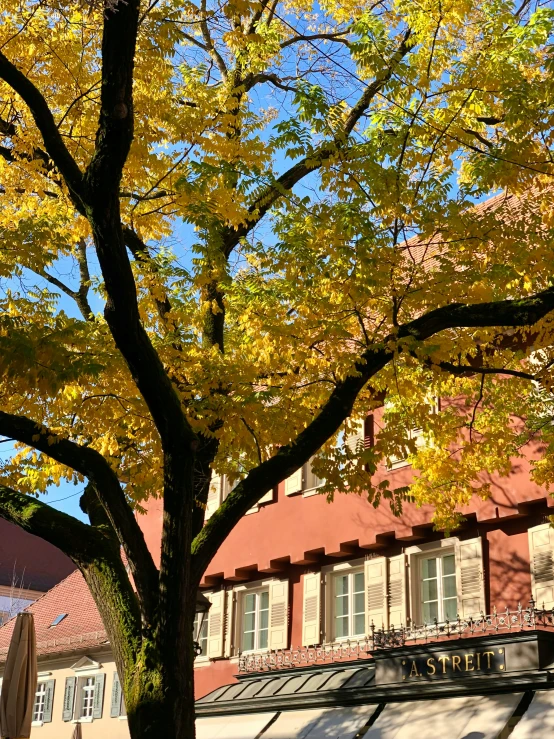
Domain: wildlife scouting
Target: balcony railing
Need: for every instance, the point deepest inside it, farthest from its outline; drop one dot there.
(520, 619)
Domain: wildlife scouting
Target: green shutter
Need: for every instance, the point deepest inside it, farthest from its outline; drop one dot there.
(69, 698)
(48, 701)
(116, 696)
(98, 701)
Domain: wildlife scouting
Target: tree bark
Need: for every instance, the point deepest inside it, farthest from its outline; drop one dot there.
(159, 698)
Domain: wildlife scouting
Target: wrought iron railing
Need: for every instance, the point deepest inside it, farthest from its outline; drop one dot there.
(520, 619)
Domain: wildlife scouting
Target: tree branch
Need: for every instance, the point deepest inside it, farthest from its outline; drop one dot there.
(84, 282)
(327, 36)
(252, 80)
(46, 124)
(92, 465)
(95, 553)
(339, 405)
(214, 53)
(76, 539)
(460, 369)
(286, 181)
(80, 296)
(140, 252)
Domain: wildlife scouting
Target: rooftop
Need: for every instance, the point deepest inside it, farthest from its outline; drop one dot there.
(81, 626)
(29, 562)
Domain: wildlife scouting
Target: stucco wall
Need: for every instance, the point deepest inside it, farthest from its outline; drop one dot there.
(60, 668)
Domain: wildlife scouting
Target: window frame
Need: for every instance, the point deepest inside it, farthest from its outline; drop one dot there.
(416, 554)
(395, 463)
(313, 489)
(78, 705)
(39, 721)
(439, 556)
(205, 627)
(82, 674)
(350, 574)
(414, 434)
(257, 592)
(328, 572)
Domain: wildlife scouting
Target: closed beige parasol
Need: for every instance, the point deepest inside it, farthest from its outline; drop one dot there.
(20, 681)
(77, 732)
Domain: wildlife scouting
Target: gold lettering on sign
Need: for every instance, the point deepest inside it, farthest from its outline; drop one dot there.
(469, 661)
(456, 663)
(444, 660)
(478, 660)
(431, 666)
(488, 655)
(414, 671)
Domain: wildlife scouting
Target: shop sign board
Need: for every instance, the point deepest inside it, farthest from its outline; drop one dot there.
(453, 664)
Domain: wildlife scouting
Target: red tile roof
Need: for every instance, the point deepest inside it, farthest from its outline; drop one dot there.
(81, 628)
(29, 562)
(505, 207)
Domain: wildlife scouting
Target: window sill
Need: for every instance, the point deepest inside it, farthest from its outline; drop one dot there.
(310, 491)
(344, 639)
(253, 652)
(122, 718)
(37, 723)
(86, 720)
(400, 464)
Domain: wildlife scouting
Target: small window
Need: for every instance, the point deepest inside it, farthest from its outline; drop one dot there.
(349, 604)
(439, 598)
(255, 620)
(40, 701)
(310, 480)
(401, 461)
(58, 620)
(227, 486)
(88, 685)
(304, 480)
(202, 637)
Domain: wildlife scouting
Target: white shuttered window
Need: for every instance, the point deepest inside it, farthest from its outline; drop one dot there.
(349, 604)
(439, 598)
(303, 480)
(261, 616)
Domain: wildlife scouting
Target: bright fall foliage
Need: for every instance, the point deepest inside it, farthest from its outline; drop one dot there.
(260, 216)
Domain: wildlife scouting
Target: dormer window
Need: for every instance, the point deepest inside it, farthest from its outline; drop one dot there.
(58, 620)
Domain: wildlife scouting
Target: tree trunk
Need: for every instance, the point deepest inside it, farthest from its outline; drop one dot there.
(159, 698)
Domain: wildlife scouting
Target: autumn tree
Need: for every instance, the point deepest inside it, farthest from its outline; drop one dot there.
(228, 230)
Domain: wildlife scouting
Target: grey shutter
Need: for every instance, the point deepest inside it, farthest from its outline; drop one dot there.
(48, 701)
(69, 698)
(116, 696)
(98, 695)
